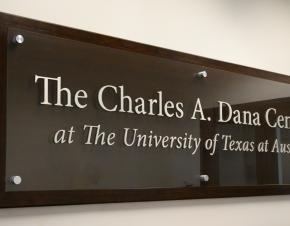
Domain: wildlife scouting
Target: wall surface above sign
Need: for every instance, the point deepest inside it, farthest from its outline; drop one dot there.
(87, 118)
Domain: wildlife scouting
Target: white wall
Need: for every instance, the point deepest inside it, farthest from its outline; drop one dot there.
(248, 32)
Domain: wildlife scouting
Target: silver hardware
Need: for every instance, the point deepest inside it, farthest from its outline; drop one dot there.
(18, 39)
(16, 180)
(201, 74)
(204, 178)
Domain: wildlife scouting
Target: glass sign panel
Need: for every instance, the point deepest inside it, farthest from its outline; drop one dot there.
(82, 116)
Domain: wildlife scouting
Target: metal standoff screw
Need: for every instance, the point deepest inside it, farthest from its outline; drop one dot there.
(201, 74)
(15, 180)
(18, 39)
(204, 178)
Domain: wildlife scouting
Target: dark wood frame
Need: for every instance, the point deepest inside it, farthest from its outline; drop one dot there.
(40, 198)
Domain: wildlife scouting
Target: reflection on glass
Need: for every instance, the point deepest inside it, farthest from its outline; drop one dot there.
(245, 164)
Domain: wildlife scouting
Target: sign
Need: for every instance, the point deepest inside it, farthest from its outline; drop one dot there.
(87, 118)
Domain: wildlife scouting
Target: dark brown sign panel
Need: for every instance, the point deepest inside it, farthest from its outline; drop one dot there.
(87, 118)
